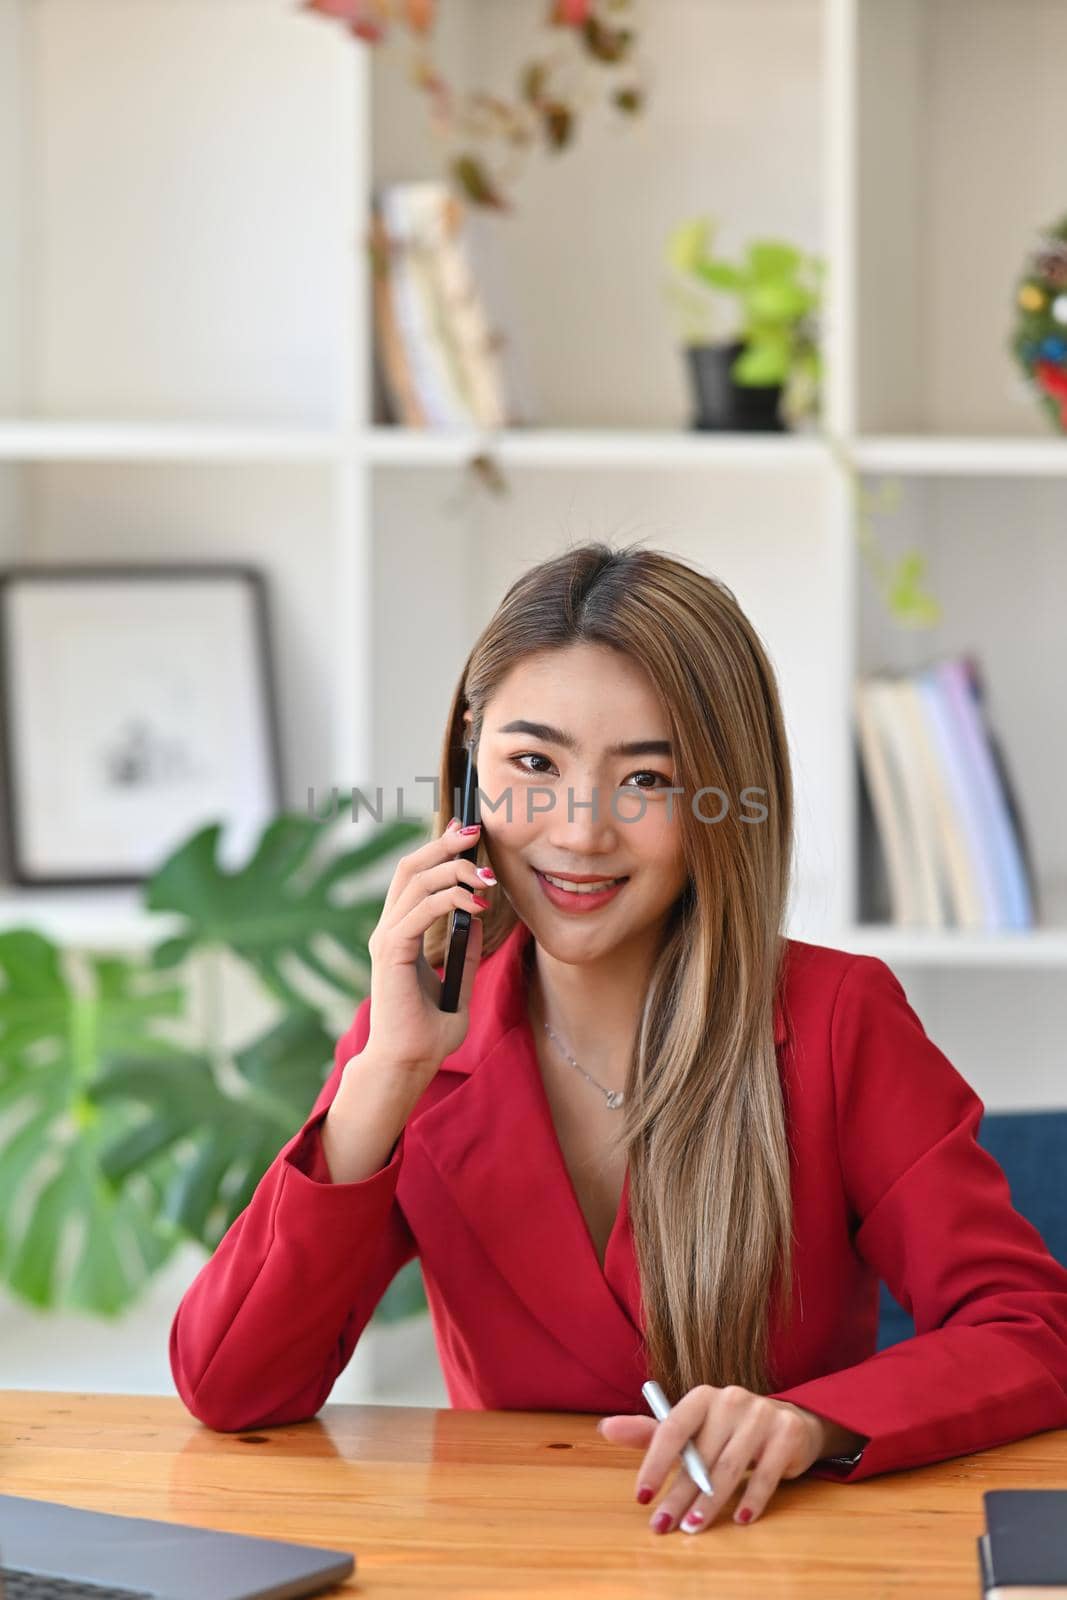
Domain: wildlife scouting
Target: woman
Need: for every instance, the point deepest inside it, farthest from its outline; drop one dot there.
(657, 1138)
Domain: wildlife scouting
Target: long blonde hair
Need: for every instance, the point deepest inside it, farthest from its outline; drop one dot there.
(704, 1127)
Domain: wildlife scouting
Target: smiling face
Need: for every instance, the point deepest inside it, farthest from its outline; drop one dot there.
(547, 739)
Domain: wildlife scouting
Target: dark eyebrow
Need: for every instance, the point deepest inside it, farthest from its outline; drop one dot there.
(549, 735)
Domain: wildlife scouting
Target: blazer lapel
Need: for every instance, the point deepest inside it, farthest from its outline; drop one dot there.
(493, 1144)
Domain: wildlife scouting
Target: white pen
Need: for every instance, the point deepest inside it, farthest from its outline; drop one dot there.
(690, 1454)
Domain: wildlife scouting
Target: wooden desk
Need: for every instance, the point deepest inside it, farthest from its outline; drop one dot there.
(465, 1503)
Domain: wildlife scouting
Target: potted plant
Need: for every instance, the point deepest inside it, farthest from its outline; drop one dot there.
(766, 378)
(129, 1123)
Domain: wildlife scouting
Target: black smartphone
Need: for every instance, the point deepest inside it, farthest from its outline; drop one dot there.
(460, 926)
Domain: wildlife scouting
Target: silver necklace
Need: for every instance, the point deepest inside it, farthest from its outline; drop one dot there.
(614, 1097)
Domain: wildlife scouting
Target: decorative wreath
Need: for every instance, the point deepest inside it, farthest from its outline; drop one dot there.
(1040, 342)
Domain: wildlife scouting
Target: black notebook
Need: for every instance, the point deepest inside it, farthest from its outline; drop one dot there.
(1024, 1548)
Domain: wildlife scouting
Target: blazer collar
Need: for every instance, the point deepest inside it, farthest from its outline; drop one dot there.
(493, 1145)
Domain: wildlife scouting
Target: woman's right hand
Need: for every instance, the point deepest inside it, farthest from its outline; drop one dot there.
(408, 1028)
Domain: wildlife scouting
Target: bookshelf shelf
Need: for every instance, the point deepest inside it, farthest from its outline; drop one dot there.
(121, 441)
(989, 457)
(186, 373)
(387, 445)
(1038, 949)
(596, 448)
(166, 441)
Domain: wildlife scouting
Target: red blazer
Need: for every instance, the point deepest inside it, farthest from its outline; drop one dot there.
(887, 1182)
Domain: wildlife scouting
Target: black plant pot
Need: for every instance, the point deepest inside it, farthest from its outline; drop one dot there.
(723, 405)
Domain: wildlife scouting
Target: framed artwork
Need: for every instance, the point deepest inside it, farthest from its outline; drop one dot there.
(136, 704)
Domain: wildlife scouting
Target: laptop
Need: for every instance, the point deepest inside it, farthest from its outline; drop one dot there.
(56, 1552)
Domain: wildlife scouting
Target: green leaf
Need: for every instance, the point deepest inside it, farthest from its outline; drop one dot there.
(221, 1139)
(687, 245)
(778, 302)
(762, 364)
(32, 1271)
(172, 952)
(193, 1200)
(288, 1058)
(288, 917)
(772, 258)
(721, 275)
(17, 1160)
(55, 1202)
(102, 1281)
(405, 1297)
(908, 601)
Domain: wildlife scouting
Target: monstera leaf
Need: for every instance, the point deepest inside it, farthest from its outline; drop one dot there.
(67, 1235)
(285, 913)
(218, 1140)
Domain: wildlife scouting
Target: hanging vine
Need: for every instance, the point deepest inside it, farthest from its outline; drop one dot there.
(590, 51)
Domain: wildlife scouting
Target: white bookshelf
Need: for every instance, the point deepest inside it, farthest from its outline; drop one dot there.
(185, 374)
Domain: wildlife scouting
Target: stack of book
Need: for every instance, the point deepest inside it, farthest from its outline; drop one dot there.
(952, 838)
(439, 358)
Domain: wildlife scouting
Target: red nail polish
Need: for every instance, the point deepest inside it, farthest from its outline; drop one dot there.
(483, 905)
(471, 828)
(745, 1515)
(661, 1522)
(644, 1495)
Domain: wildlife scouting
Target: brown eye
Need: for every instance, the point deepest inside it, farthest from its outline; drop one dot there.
(533, 772)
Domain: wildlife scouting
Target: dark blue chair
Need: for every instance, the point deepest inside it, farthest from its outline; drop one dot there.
(1031, 1147)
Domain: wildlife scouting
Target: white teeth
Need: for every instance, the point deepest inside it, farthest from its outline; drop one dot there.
(581, 888)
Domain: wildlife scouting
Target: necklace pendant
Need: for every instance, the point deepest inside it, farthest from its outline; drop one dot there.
(615, 1100)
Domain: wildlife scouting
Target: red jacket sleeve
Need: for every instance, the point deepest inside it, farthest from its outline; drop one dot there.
(988, 1363)
(272, 1318)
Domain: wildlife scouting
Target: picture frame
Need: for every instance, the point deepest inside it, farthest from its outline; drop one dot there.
(136, 703)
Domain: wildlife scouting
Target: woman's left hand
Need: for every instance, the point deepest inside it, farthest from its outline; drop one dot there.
(732, 1429)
